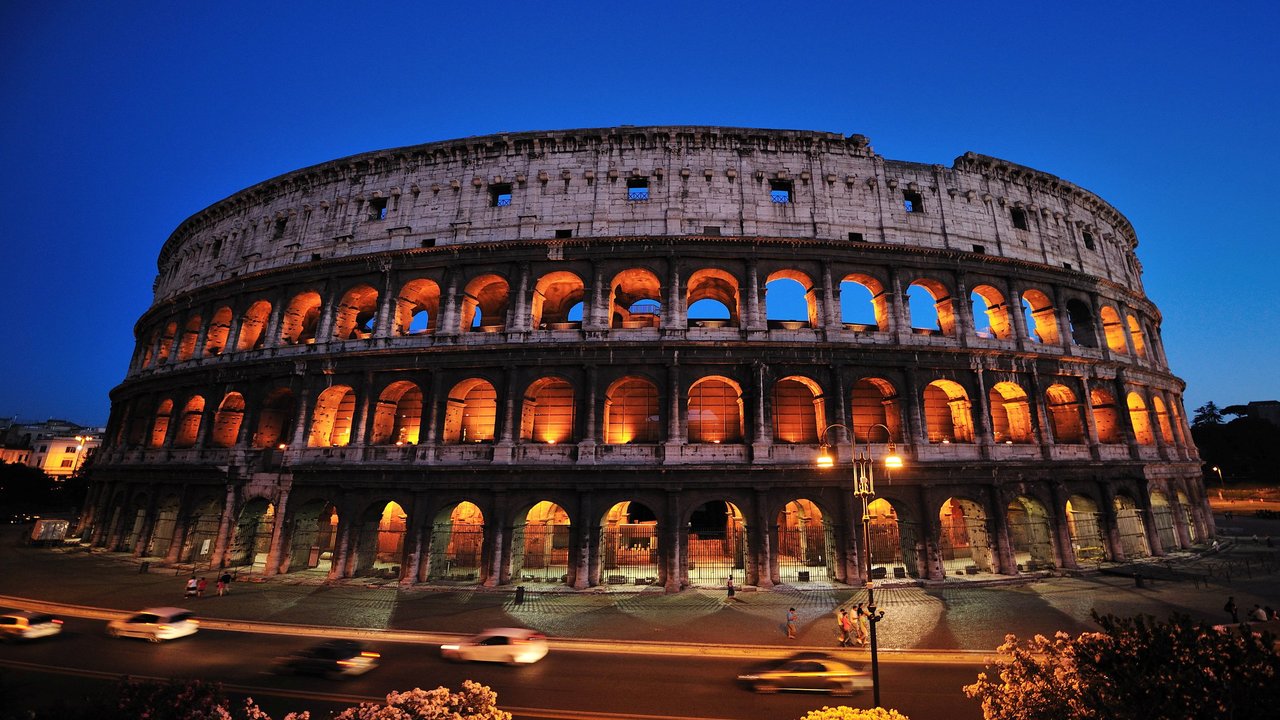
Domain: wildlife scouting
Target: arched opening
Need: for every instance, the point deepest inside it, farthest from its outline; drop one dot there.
(715, 411)
(484, 304)
(964, 542)
(356, 315)
(799, 411)
(253, 326)
(187, 345)
(947, 413)
(164, 528)
(631, 412)
(1113, 330)
(875, 402)
(1105, 416)
(1082, 331)
(149, 350)
(226, 422)
(547, 413)
(990, 313)
(1188, 517)
(1064, 415)
(1162, 419)
(1085, 527)
(189, 423)
(160, 423)
(471, 413)
(379, 546)
(629, 545)
(275, 418)
(1030, 534)
(417, 307)
(789, 301)
(251, 539)
(806, 544)
(202, 533)
(1041, 317)
(717, 536)
(331, 419)
(215, 340)
(932, 311)
(166, 342)
(1140, 419)
(1162, 518)
(1133, 534)
(1010, 414)
(398, 415)
(1139, 340)
(863, 305)
(301, 316)
(635, 300)
(540, 545)
(313, 538)
(713, 299)
(554, 295)
(457, 539)
(895, 542)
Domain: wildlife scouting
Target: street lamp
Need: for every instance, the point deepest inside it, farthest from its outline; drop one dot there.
(864, 487)
(1222, 486)
(81, 440)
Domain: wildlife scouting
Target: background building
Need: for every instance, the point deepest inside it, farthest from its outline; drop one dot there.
(611, 356)
(59, 448)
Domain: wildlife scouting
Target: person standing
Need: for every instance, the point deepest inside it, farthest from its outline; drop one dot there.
(1230, 608)
(729, 587)
(860, 624)
(224, 583)
(191, 586)
(845, 626)
(200, 586)
(791, 623)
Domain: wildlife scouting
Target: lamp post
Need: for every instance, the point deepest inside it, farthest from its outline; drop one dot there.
(864, 487)
(1222, 486)
(81, 440)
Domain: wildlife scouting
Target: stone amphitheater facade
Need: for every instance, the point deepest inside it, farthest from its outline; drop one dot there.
(611, 356)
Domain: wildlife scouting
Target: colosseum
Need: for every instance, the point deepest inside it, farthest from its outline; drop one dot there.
(613, 357)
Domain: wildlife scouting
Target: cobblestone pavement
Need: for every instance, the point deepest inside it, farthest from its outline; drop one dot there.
(952, 615)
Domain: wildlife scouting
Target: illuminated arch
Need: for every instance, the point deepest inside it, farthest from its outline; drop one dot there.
(629, 545)
(1130, 528)
(540, 545)
(1084, 525)
(1139, 340)
(1030, 534)
(786, 290)
(1140, 419)
(716, 285)
(187, 345)
(631, 412)
(799, 410)
(635, 300)
(715, 411)
(160, 423)
(301, 315)
(472, 412)
(226, 422)
(253, 326)
(1010, 414)
(484, 304)
(989, 302)
(189, 423)
(554, 295)
(274, 418)
(806, 543)
(1042, 317)
(1106, 418)
(868, 297)
(876, 402)
(331, 419)
(417, 307)
(943, 306)
(397, 418)
(947, 413)
(548, 411)
(964, 541)
(457, 544)
(215, 342)
(166, 342)
(1064, 414)
(1113, 329)
(356, 314)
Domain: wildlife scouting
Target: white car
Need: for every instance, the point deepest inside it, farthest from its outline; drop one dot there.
(23, 625)
(155, 624)
(514, 646)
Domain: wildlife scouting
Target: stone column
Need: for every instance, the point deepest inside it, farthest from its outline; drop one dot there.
(342, 547)
(1006, 562)
(224, 527)
(1061, 530)
(148, 526)
(503, 450)
(762, 545)
(762, 440)
(450, 318)
(278, 529)
(587, 445)
(523, 320)
(386, 305)
(672, 533)
(582, 537)
(363, 428)
(831, 317)
(982, 419)
(675, 309)
(201, 335)
(595, 313)
(1154, 544)
(272, 330)
(916, 431)
(300, 423)
(675, 428)
(755, 322)
(930, 532)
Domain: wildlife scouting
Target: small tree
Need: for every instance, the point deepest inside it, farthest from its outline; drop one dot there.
(1207, 414)
(473, 702)
(1135, 668)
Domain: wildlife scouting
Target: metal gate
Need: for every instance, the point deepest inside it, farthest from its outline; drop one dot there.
(629, 555)
(455, 553)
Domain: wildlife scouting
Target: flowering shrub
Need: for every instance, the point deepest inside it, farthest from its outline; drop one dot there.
(843, 712)
(1133, 668)
(473, 702)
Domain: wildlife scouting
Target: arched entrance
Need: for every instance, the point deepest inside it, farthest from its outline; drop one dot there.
(806, 544)
(1188, 517)
(379, 542)
(164, 527)
(202, 533)
(457, 538)
(1085, 530)
(717, 543)
(1133, 534)
(629, 545)
(540, 545)
(964, 543)
(252, 539)
(1162, 518)
(1030, 534)
(314, 537)
(894, 541)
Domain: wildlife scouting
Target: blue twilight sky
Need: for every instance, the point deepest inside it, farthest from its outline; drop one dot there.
(119, 120)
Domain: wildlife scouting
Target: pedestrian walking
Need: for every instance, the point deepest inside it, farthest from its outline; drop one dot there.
(791, 623)
(1231, 609)
(729, 587)
(845, 626)
(860, 624)
(192, 584)
(224, 583)
(200, 587)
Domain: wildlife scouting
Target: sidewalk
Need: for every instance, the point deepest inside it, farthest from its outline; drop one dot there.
(940, 617)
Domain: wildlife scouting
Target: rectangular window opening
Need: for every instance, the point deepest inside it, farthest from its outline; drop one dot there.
(637, 189)
(500, 194)
(315, 257)
(780, 191)
(980, 249)
(912, 202)
(1067, 266)
(1019, 218)
(562, 234)
(428, 242)
(279, 228)
(1088, 240)
(378, 209)
(711, 230)
(855, 237)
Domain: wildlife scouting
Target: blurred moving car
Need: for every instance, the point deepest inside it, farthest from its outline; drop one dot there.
(814, 672)
(514, 646)
(25, 625)
(155, 624)
(330, 658)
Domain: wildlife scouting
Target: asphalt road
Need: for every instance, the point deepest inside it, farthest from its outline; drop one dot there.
(567, 684)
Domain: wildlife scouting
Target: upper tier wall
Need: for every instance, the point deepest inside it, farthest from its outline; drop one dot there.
(700, 179)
